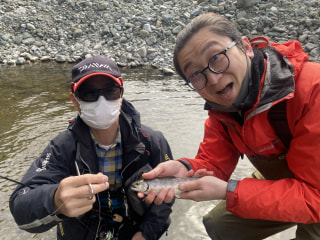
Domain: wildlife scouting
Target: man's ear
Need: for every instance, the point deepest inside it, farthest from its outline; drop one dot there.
(75, 102)
(247, 47)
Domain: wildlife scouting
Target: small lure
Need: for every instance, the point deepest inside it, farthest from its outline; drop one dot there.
(157, 184)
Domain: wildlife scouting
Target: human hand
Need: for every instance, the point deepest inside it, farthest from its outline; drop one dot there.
(138, 236)
(74, 197)
(168, 168)
(204, 189)
(201, 173)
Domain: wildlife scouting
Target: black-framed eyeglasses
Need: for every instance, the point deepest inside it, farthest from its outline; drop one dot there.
(219, 63)
(92, 95)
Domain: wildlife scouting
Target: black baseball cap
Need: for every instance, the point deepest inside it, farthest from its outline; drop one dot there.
(93, 66)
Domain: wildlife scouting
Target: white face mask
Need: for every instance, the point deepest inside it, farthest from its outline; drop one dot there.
(100, 114)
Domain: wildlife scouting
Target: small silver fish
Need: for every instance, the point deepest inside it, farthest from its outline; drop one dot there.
(157, 184)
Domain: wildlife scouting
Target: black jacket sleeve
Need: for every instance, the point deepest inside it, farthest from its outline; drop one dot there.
(32, 207)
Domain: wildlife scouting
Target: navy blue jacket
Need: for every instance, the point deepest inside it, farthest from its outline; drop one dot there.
(143, 148)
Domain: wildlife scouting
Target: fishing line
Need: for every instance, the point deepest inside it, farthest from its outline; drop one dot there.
(56, 210)
(25, 185)
(17, 182)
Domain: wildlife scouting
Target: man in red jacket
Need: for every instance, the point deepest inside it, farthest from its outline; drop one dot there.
(242, 81)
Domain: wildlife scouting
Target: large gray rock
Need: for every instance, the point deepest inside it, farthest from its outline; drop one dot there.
(246, 3)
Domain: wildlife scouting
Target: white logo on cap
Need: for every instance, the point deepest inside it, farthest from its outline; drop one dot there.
(94, 65)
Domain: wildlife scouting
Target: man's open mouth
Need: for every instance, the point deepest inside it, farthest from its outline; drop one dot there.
(226, 90)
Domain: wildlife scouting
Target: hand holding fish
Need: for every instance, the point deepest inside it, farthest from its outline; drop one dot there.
(165, 169)
(76, 195)
(168, 191)
(204, 189)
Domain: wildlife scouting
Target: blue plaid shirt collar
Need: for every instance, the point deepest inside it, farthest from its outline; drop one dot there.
(110, 160)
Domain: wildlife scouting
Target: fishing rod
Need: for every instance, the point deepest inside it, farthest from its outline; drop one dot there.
(17, 182)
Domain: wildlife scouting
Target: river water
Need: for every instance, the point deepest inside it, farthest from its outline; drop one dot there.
(35, 107)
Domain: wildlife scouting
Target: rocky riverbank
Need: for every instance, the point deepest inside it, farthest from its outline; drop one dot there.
(139, 32)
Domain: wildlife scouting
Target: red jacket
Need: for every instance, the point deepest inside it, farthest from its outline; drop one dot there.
(290, 199)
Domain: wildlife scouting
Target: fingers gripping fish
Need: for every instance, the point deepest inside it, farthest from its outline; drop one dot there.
(157, 184)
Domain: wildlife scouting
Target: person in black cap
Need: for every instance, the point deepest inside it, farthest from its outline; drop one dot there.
(81, 182)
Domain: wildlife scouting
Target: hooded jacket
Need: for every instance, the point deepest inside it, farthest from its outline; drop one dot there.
(292, 195)
(33, 209)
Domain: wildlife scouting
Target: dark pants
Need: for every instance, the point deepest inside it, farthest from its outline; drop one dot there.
(220, 224)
